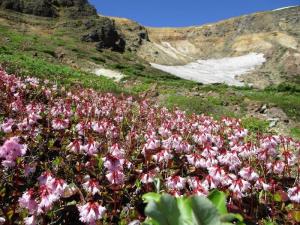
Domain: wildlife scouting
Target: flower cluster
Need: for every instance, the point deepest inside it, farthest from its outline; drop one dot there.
(41, 201)
(111, 149)
(11, 150)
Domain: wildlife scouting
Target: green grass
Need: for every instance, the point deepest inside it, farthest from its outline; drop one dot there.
(147, 74)
(209, 106)
(283, 96)
(288, 102)
(255, 125)
(140, 88)
(295, 133)
(28, 66)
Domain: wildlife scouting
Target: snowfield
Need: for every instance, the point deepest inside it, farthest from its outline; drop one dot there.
(210, 71)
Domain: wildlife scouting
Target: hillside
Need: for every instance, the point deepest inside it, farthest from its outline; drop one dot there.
(275, 34)
(72, 50)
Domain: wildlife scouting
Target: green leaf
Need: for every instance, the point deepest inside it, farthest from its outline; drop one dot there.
(99, 163)
(229, 217)
(169, 208)
(296, 215)
(197, 210)
(204, 211)
(219, 200)
(157, 184)
(267, 222)
(186, 212)
(152, 210)
(151, 196)
(277, 197)
(57, 161)
(150, 222)
(72, 203)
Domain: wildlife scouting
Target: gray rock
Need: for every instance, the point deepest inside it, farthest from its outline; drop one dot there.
(262, 109)
(273, 122)
(50, 8)
(106, 36)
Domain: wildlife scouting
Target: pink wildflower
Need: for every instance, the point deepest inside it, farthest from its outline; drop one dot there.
(294, 194)
(11, 150)
(91, 186)
(90, 212)
(27, 201)
(115, 177)
(175, 183)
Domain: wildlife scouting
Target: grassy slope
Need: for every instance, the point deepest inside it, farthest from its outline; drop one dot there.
(31, 50)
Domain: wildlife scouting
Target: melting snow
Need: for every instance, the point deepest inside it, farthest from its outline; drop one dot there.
(109, 73)
(222, 70)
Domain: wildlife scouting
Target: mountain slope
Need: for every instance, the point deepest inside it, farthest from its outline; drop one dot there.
(76, 51)
(276, 34)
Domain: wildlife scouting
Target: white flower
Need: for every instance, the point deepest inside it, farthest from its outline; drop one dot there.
(294, 194)
(261, 184)
(239, 187)
(91, 186)
(147, 178)
(175, 182)
(48, 197)
(248, 174)
(115, 177)
(90, 212)
(196, 160)
(28, 202)
(2, 220)
(216, 172)
(30, 220)
(210, 183)
(58, 186)
(162, 156)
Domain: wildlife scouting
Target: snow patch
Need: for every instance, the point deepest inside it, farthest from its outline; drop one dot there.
(224, 70)
(284, 8)
(115, 75)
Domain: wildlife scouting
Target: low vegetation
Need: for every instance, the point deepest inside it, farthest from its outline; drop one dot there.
(85, 156)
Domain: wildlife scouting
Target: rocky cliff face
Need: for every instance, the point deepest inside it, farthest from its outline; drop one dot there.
(50, 8)
(105, 34)
(134, 34)
(38, 8)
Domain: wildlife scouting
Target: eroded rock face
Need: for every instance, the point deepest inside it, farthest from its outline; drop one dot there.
(34, 7)
(50, 8)
(135, 34)
(76, 8)
(104, 32)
